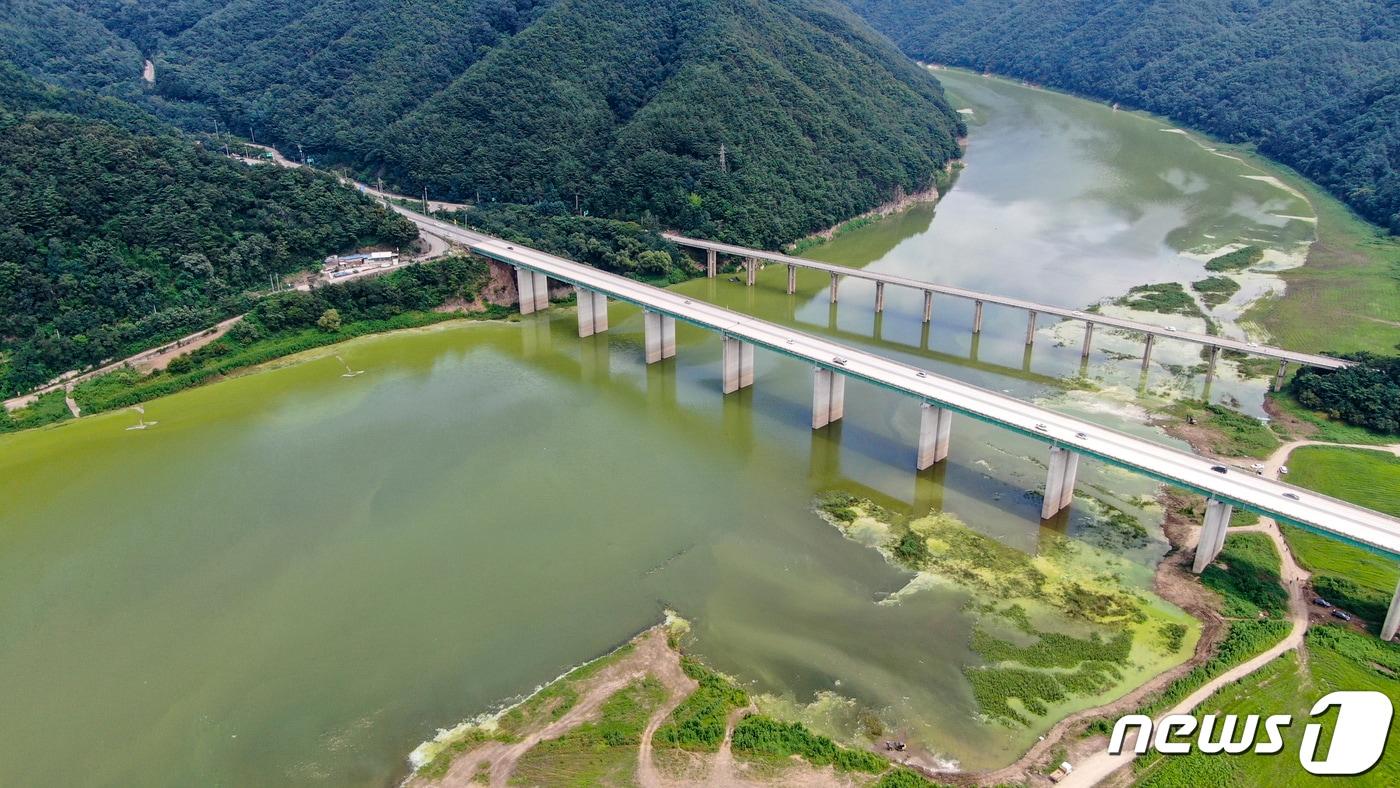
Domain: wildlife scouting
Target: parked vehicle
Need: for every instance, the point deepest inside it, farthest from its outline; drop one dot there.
(1341, 614)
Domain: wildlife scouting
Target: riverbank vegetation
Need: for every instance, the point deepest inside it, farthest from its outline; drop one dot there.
(291, 322)
(1314, 86)
(1168, 298)
(1055, 630)
(1218, 429)
(1337, 659)
(1365, 395)
(117, 241)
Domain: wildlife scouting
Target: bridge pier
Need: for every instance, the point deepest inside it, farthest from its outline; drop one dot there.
(1088, 339)
(977, 317)
(533, 290)
(1392, 617)
(592, 312)
(750, 271)
(835, 283)
(879, 297)
(1030, 329)
(928, 306)
(1282, 373)
(935, 429)
(711, 263)
(828, 397)
(1210, 366)
(1213, 531)
(792, 279)
(660, 331)
(1147, 351)
(738, 365)
(1059, 481)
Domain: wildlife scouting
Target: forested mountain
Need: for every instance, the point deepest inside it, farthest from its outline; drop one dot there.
(116, 237)
(752, 120)
(1313, 82)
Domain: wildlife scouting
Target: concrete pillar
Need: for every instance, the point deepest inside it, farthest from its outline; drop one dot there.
(928, 305)
(600, 313)
(541, 291)
(935, 429)
(738, 365)
(1030, 328)
(592, 312)
(1210, 367)
(668, 336)
(525, 287)
(585, 312)
(792, 279)
(1059, 481)
(879, 297)
(1147, 351)
(1392, 618)
(977, 317)
(651, 329)
(750, 271)
(1213, 531)
(828, 397)
(1282, 373)
(835, 283)
(711, 263)
(1088, 339)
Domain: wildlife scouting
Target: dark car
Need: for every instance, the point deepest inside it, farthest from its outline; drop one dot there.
(1219, 469)
(1343, 615)
(1320, 602)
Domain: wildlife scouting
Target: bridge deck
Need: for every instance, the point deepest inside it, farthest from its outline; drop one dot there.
(1307, 359)
(1354, 524)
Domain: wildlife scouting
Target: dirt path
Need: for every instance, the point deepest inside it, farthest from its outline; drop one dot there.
(678, 688)
(1099, 766)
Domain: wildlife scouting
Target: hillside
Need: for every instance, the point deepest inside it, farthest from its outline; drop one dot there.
(619, 106)
(115, 239)
(1314, 83)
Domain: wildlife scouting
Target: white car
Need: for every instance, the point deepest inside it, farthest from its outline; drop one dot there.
(1283, 470)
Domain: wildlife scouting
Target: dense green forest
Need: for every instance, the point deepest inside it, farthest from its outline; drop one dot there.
(1315, 83)
(1367, 394)
(114, 239)
(752, 121)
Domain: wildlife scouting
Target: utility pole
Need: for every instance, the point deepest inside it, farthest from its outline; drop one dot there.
(301, 154)
(425, 199)
(252, 135)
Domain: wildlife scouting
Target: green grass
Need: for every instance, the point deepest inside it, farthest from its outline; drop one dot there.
(764, 737)
(1355, 579)
(1232, 434)
(1337, 660)
(1347, 297)
(906, 778)
(1237, 260)
(1326, 429)
(1246, 575)
(1216, 290)
(47, 409)
(1169, 298)
(597, 752)
(698, 723)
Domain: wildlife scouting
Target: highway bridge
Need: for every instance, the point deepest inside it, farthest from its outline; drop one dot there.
(1066, 438)
(1033, 309)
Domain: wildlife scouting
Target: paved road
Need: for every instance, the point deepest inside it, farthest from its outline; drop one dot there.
(1348, 522)
(1308, 359)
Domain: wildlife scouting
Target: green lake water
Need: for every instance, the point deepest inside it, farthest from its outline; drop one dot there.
(295, 577)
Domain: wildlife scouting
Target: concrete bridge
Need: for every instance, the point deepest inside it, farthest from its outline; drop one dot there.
(1033, 309)
(943, 400)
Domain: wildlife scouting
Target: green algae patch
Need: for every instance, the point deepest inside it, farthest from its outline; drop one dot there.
(1056, 632)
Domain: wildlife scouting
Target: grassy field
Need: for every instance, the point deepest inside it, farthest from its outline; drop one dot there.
(48, 409)
(602, 752)
(1337, 660)
(1347, 297)
(1228, 433)
(1355, 579)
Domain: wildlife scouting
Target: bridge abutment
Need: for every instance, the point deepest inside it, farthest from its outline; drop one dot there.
(1059, 481)
(828, 397)
(935, 430)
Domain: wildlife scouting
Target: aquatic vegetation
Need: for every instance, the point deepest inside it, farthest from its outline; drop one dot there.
(1237, 260)
(762, 736)
(698, 723)
(1216, 290)
(1168, 298)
